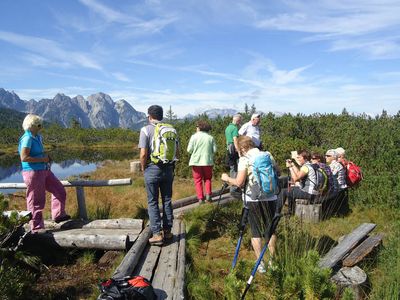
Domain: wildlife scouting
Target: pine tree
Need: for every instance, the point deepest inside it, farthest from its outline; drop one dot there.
(246, 109)
(170, 115)
(253, 109)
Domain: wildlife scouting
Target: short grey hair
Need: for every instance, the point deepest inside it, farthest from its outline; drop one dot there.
(236, 118)
(30, 121)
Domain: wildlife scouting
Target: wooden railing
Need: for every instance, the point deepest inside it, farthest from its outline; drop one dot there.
(79, 185)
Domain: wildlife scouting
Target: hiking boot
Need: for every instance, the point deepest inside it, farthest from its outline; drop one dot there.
(168, 235)
(261, 268)
(156, 239)
(201, 201)
(39, 231)
(62, 218)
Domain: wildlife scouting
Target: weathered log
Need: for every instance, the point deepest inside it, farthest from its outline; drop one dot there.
(72, 183)
(130, 260)
(164, 277)
(349, 242)
(135, 166)
(91, 239)
(122, 223)
(193, 199)
(65, 225)
(147, 262)
(353, 278)
(179, 291)
(308, 212)
(365, 248)
(226, 198)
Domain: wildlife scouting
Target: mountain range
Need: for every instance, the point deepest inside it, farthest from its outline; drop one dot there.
(96, 111)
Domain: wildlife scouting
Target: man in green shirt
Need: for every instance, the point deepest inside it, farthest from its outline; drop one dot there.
(231, 135)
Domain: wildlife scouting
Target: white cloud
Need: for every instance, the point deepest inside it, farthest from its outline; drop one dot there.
(120, 76)
(367, 22)
(46, 49)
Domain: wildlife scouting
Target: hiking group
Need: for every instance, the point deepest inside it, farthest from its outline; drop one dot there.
(253, 175)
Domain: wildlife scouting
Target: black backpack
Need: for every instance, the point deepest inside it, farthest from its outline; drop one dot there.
(128, 288)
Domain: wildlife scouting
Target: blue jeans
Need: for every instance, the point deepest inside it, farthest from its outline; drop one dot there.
(159, 180)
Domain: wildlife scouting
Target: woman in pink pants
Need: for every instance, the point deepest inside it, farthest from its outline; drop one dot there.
(38, 177)
(202, 148)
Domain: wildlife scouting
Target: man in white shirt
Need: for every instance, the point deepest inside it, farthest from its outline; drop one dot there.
(252, 129)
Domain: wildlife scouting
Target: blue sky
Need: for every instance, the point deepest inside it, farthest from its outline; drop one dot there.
(282, 56)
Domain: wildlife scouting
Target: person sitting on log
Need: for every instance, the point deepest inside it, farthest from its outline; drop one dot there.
(305, 176)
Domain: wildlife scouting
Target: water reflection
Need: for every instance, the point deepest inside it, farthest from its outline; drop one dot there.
(66, 164)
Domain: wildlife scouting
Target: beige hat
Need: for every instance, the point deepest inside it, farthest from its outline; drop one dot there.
(340, 151)
(255, 115)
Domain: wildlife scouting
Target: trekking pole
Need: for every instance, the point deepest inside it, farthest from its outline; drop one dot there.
(242, 225)
(224, 186)
(269, 233)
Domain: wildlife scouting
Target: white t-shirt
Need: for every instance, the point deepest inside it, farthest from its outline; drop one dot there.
(252, 131)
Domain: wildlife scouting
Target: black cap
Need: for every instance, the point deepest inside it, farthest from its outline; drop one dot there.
(156, 112)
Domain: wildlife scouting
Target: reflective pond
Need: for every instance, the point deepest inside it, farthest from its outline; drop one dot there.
(66, 163)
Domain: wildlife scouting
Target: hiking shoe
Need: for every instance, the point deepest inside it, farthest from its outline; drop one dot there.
(39, 231)
(261, 268)
(201, 201)
(168, 235)
(156, 239)
(62, 218)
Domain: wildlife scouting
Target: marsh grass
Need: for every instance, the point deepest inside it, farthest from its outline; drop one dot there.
(299, 244)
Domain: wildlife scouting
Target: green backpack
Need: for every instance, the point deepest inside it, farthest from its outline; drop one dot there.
(164, 144)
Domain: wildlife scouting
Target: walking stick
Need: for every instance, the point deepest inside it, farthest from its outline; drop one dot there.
(269, 233)
(224, 186)
(242, 225)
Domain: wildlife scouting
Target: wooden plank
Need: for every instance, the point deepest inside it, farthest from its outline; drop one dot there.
(131, 259)
(148, 262)
(179, 291)
(121, 223)
(349, 242)
(72, 183)
(165, 274)
(365, 248)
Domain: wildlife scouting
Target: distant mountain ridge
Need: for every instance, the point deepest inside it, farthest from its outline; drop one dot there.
(213, 113)
(97, 111)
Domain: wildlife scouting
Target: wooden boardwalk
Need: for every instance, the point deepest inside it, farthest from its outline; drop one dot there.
(163, 266)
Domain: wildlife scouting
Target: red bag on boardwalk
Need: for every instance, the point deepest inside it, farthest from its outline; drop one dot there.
(353, 173)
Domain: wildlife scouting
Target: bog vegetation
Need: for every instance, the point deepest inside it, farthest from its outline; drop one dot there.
(372, 142)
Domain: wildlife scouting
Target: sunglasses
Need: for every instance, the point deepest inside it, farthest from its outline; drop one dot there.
(328, 155)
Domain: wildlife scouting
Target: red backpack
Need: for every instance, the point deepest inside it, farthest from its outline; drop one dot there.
(353, 173)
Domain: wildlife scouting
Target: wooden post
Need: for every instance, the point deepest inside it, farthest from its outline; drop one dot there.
(80, 196)
(135, 166)
(308, 212)
(354, 278)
